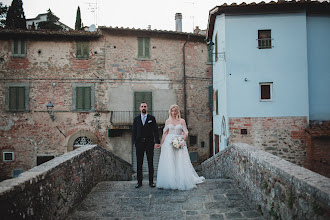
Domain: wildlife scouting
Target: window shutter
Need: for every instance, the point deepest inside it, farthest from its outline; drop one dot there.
(87, 98)
(15, 49)
(21, 98)
(210, 96)
(23, 47)
(140, 47)
(12, 98)
(147, 47)
(78, 49)
(85, 49)
(79, 98)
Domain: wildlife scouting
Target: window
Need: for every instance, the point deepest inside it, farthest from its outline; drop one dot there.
(8, 156)
(266, 91)
(216, 103)
(216, 47)
(143, 47)
(264, 39)
(82, 50)
(17, 97)
(19, 48)
(209, 53)
(193, 140)
(83, 97)
(216, 143)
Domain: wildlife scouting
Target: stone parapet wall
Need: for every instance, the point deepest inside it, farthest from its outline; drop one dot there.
(53, 189)
(280, 189)
(284, 137)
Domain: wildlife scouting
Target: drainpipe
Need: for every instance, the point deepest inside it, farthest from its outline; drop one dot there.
(184, 81)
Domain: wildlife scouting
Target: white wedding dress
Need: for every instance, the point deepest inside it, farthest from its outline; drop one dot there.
(175, 170)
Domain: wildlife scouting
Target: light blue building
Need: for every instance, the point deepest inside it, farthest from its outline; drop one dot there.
(271, 74)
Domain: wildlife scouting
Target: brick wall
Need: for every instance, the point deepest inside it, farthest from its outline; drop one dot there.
(282, 136)
(280, 189)
(112, 64)
(53, 189)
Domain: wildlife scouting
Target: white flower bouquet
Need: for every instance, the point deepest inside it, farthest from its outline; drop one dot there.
(178, 142)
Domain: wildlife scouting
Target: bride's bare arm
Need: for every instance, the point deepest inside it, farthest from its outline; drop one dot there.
(185, 130)
(165, 132)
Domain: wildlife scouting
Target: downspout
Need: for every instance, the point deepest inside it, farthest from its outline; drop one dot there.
(184, 81)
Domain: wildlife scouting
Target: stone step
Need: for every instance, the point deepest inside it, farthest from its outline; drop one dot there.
(213, 199)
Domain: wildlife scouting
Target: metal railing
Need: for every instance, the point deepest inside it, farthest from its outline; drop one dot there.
(264, 43)
(126, 117)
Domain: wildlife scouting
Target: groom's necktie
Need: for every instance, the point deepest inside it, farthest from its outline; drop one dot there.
(144, 117)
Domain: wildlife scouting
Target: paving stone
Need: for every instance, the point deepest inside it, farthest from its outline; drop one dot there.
(213, 199)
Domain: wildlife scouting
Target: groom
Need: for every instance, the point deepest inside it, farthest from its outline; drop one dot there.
(145, 137)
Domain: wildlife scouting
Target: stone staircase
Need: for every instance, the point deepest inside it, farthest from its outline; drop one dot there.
(213, 199)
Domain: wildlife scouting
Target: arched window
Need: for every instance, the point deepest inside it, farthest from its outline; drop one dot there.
(81, 141)
(223, 126)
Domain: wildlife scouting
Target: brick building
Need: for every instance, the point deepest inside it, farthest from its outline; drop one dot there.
(270, 74)
(95, 80)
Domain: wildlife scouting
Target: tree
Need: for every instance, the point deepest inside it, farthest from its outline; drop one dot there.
(78, 25)
(15, 15)
(3, 14)
(51, 22)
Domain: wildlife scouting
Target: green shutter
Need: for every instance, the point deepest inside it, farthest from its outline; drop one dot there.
(85, 48)
(15, 47)
(140, 47)
(147, 47)
(23, 52)
(79, 98)
(87, 98)
(17, 98)
(78, 49)
(12, 98)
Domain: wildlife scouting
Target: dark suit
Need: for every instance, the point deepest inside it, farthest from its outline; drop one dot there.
(144, 137)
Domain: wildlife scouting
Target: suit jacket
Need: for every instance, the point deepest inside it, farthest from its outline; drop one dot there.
(150, 129)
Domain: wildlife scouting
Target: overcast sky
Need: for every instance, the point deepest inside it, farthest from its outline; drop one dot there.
(160, 14)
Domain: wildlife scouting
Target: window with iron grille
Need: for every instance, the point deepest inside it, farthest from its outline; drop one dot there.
(19, 48)
(143, 47)
(192, 140)
(82, 50)
(83, 97)
(266, 90)
(17, 97)
(264, 39)
(8, 156)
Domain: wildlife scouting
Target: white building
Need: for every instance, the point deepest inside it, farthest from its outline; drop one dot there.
(270, 74)
(40, 18)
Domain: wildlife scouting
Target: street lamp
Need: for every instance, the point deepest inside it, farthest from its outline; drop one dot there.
(50, 107)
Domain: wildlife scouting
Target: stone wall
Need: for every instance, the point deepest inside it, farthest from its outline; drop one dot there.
(53, 189)
(280, 189)
(284, 137)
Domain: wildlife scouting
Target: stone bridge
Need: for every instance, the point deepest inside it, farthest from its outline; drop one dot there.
(92, 183)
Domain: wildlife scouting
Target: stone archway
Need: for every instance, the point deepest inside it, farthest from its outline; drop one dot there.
(82, 137)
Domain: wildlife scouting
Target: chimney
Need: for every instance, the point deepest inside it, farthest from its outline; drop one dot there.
(149, 27)
(178, 22)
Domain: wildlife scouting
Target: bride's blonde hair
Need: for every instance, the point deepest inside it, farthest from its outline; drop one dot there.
(178, 116)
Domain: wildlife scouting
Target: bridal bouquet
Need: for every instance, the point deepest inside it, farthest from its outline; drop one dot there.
(178, 142)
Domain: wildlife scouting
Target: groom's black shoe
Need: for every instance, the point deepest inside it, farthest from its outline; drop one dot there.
(152, 184)
(138, 185)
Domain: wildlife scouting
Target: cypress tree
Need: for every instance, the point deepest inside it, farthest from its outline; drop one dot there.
(3, 13)
(15, 15)
(50, 23)
(78, 20)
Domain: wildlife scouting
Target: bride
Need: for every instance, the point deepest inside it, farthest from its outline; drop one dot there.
(175, 170)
